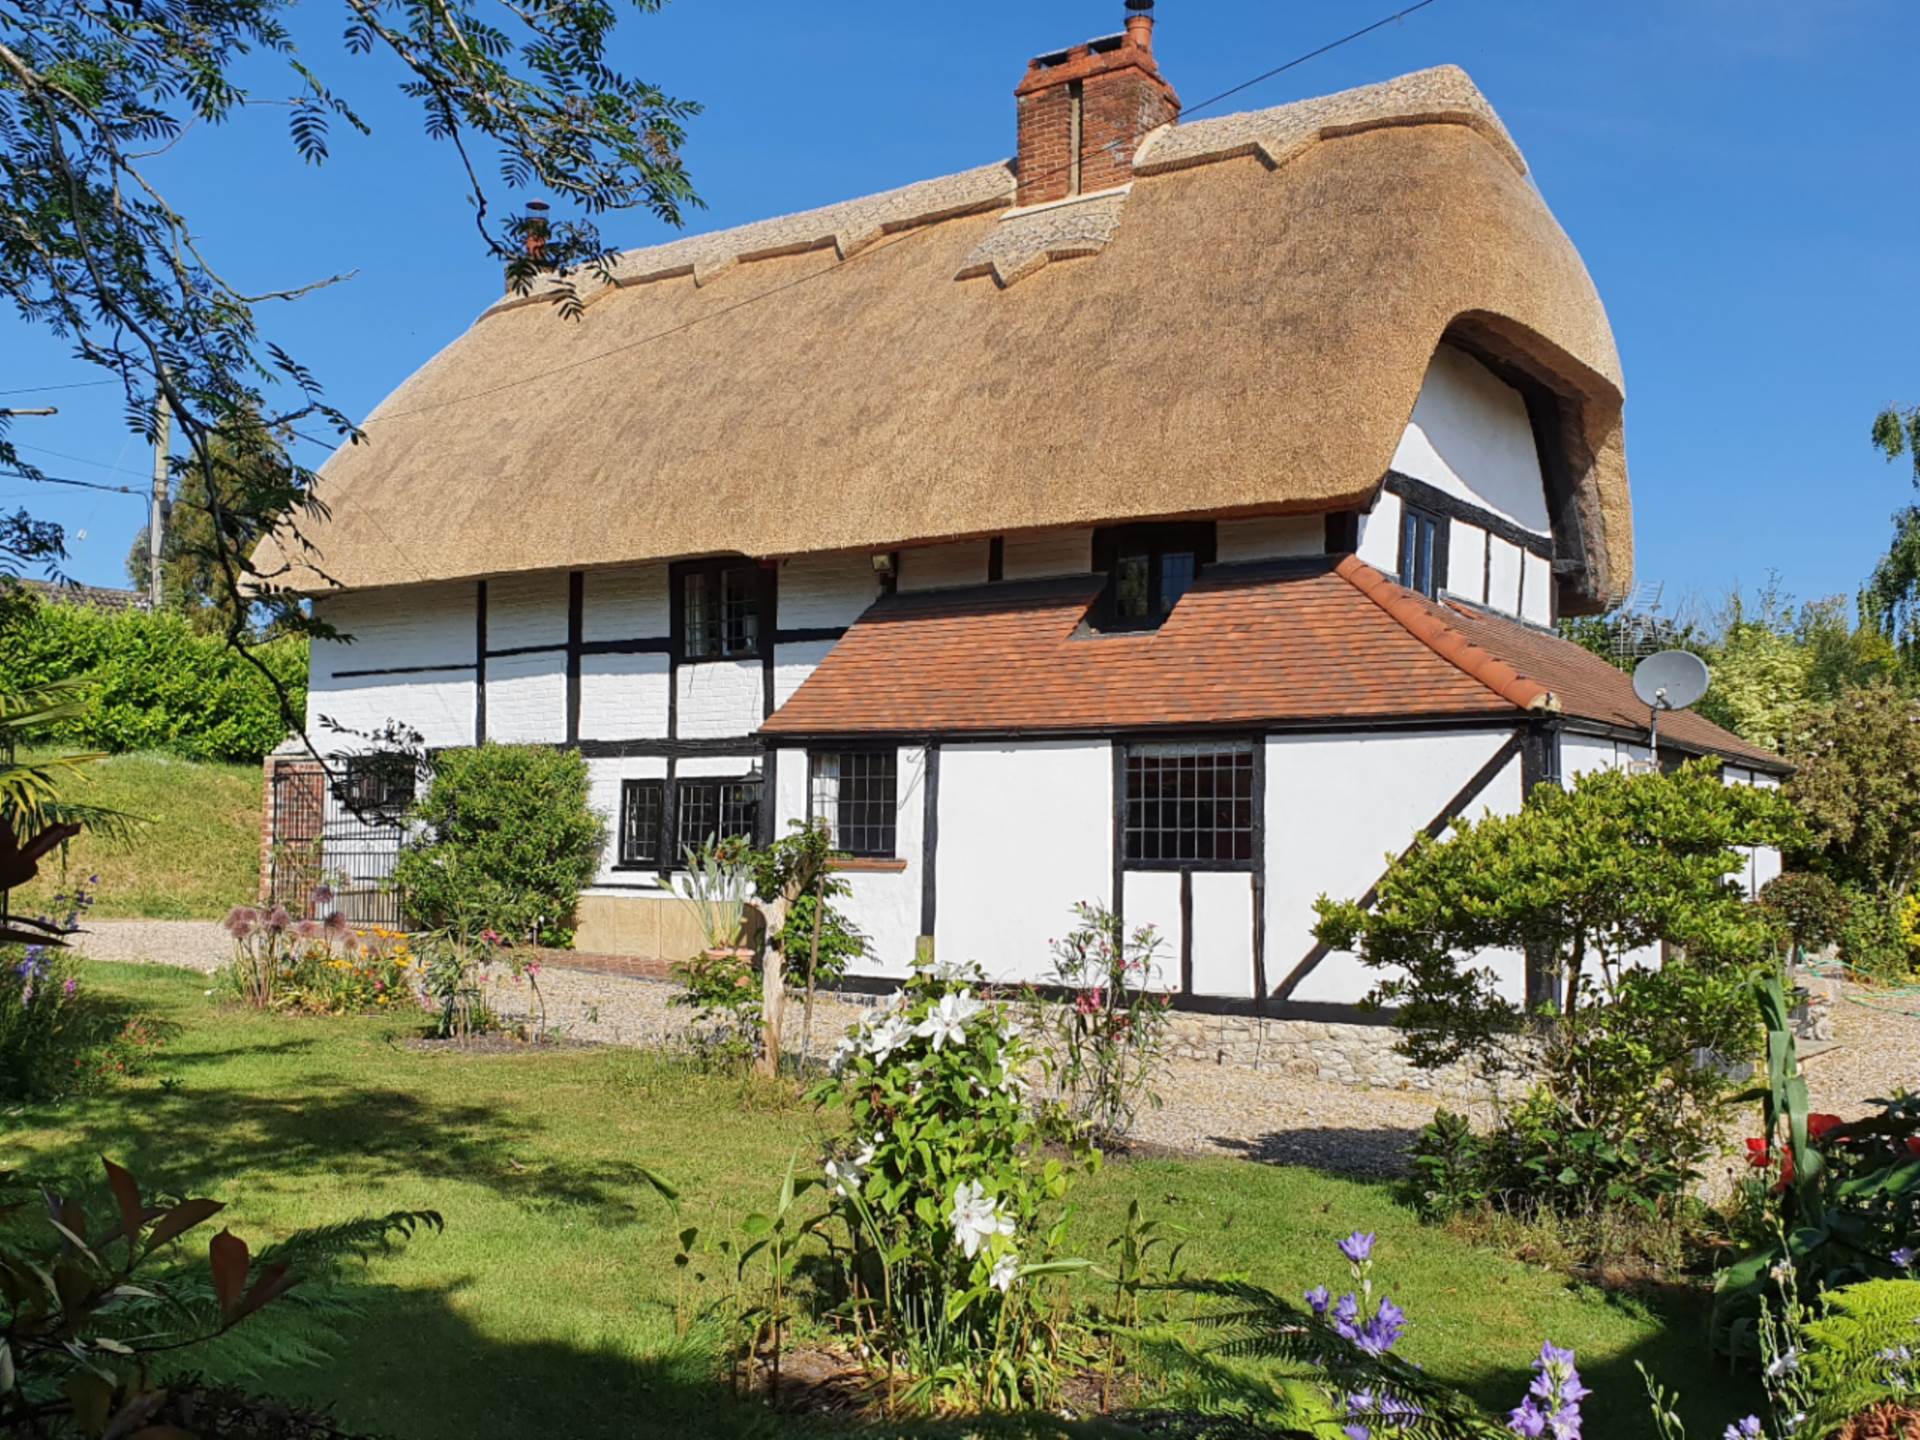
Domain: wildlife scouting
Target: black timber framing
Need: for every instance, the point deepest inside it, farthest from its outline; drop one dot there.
(1451, 507)
(929, 838)
(1119, 838)
(809, 634)
(458, 666)
(1188, 1004)
(1540, 765)
(576, 633)
(1462, 798)
(996, 559)
(1260, 870)
(480, 663)
(1186, 932)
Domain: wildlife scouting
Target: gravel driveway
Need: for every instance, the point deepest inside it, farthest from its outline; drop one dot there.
(1262, 1115)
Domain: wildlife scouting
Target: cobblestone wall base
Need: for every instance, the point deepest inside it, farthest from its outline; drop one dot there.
(1359, 1055)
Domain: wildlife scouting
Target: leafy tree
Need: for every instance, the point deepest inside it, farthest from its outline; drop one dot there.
(1859, 771)
(1891, 599)
(190, 579)
(1578, 879)
(506, 842)
(93, 250)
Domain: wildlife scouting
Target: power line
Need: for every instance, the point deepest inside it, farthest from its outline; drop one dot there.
(77, 484)
(871, 249)
(77, 459)
(43, 389)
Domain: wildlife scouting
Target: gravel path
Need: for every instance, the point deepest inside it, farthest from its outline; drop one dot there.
(1260, 1115)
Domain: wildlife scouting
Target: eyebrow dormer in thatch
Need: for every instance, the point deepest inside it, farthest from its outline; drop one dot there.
(1243, 329)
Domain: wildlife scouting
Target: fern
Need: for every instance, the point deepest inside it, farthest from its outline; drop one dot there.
(1851, 1350)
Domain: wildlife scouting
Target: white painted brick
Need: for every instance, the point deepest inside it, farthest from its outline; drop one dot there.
(1270, 537)
(719, 699)
(934, 567)
(625, 604)
(404, 625)
(440, 707)
(1052, 552)
(527, 698)
(792, 664)
(623, 697)
(818, 591)
(728, 767)
(526, 610)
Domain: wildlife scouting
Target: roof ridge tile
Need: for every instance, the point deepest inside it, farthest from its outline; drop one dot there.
(1449, 644)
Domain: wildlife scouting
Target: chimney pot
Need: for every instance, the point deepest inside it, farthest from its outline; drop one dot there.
(1140, 23)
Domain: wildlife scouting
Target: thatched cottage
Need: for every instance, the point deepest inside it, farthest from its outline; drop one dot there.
(1174, 515)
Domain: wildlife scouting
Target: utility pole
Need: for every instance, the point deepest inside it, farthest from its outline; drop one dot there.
(157, 518)
(43, 410)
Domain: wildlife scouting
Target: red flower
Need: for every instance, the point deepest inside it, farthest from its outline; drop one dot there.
(1759, 1154)
(1913, 1146)
(1819, 1125)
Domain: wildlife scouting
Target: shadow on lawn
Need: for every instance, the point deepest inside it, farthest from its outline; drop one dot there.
(1367, 1153)
(323, 1124)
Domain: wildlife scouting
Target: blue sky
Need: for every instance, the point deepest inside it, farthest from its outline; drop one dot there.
(1737, 173)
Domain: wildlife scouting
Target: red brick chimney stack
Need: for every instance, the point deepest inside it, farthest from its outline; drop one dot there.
(1084, 111)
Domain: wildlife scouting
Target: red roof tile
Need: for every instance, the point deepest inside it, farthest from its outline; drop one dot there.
(1284, 642)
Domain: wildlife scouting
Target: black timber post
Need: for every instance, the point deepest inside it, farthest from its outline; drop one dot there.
(1540, 765)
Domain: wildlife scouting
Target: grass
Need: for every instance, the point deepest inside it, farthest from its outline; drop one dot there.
(198, 855)
(546, 1307)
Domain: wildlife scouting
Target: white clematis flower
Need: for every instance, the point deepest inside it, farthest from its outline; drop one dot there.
(888, 1036)
(948, 1019)
(848, 1174)
(1005, 1271)
(975, 1217)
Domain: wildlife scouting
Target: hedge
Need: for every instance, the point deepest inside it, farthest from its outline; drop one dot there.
(157, 685)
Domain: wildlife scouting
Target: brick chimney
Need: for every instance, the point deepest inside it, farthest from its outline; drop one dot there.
(1084, 111)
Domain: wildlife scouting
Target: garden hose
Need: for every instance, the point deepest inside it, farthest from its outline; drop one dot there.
(1889, 999)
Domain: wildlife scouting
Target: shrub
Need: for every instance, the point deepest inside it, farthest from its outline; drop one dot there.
(1106, 1044)
(318, 967)
(506, 841)
(1875, 942)
(946, 1198)
(153, 683)
(1809, 907)
(723, 991)
(55, 1036)
(454, 973)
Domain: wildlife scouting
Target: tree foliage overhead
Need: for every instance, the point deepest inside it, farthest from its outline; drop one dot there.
(1891, 598)
(1857, 783)
(93, 250)
(1578, 878)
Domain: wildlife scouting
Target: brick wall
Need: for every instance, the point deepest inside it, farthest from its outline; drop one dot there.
(1120, 96)
(292, 813)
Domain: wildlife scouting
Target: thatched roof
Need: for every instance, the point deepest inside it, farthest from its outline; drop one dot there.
(1246, 332)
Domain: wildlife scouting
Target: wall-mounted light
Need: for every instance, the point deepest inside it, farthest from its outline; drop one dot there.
(883, 563)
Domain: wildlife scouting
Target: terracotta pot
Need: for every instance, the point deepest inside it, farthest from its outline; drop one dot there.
(1891, 1420)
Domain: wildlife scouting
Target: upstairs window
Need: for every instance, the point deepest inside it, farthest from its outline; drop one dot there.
(718, 608)
(1148, 567)
(378, 787)
(1423, 550)
(1190, 806)
(857, 793)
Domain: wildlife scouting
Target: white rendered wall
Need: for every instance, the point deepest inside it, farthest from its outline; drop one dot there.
(1338, 807)
(1270, 537)
(526, 610)
(818, 592)
(1222, 933)
(885, 904)
(1536, 589)
(622, 605)
(1051, 552)
(792, 664)
(1380, 535)
(427, 625)
(1152, 897)
(937, 567)
(719, 699)
(622, 697)
(1503, 574)
(1467, 561)
(1025, 831)
(1470, 437)
(527, 698)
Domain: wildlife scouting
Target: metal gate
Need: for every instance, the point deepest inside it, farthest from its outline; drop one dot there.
(319, 839)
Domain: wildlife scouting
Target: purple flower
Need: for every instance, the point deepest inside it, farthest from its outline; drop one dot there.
(1903, 1258)
(1346, 1317)
(1744, 1429)
(71, 988)
(1378, 1335)
(1358, 1247)
(1319, 1299)
(1527, 1419)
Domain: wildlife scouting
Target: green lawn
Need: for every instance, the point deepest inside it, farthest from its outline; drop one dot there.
(197, 857)
(545, 1309)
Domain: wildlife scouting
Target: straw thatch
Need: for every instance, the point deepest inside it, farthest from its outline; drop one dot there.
(1246, 340)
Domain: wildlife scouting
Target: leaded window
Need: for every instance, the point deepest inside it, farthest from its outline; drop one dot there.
(719, 611)
(857, 793)
(642, 807)
(1423, 550)
(702, 809)
(1149, 567)
(1190, 804)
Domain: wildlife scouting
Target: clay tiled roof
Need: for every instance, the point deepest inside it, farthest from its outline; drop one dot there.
(1283, 642)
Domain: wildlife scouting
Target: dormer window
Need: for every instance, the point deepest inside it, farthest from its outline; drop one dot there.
(1148, 568)
(1423, 550)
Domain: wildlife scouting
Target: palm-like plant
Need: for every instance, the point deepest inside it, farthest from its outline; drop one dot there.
(36, 815)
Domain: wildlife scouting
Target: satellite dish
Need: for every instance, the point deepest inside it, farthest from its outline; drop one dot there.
(1671, 680)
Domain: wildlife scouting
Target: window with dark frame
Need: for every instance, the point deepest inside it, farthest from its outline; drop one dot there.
(719, 605)
(380, 786)
(857, 793)
(1190, 804)
(1423, 550)
(704, 808)
(1149, 567)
